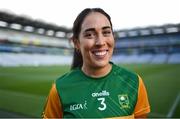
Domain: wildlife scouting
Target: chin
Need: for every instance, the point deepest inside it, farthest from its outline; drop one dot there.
(101, 64)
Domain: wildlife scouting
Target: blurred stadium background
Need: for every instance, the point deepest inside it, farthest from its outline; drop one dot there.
(33, 54)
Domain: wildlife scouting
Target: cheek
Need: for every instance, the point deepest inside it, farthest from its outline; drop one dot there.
(111, 43)
(86, 45)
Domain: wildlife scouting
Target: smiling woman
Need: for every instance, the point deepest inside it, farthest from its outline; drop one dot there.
(95, 87)
(95, 43)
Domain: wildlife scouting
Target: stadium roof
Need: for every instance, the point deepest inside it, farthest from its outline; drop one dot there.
(151, 30)
(25, 21)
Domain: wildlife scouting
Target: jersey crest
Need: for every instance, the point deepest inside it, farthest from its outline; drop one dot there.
(123, 101)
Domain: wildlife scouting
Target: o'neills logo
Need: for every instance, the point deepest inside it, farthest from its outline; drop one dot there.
(99, 94)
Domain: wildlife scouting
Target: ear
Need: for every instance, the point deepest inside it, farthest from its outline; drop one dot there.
(76, 43)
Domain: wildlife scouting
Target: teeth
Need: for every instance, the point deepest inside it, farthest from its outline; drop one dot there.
(100, 53)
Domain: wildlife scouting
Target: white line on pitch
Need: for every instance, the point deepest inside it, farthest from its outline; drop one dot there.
(171, 111)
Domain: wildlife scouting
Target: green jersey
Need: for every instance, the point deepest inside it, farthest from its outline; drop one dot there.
(113, 95)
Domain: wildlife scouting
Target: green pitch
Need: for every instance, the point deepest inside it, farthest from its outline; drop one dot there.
(24, 89)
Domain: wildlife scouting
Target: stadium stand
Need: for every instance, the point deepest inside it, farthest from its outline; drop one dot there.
(174, 58)
(127, 59)
(28, 42)
(148, 45)
(24, 59)
(159, 58)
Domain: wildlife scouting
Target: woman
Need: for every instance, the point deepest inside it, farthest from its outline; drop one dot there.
(95, 87)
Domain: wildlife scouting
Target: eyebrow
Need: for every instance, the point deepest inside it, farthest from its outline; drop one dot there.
(93, 29)
(106, 27)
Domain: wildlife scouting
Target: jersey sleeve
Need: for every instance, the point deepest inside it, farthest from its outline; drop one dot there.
(53, 107)
(142, 106)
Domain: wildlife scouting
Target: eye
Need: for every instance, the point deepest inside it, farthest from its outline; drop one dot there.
(89, 35)
(106, 32)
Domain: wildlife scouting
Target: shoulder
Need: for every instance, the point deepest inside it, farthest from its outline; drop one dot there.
(69, 76)
(126, 73)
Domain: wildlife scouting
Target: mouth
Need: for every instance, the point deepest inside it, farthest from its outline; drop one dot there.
(100, 53)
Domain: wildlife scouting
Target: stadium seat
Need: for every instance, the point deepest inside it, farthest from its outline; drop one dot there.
(174, 58)
(22, 59)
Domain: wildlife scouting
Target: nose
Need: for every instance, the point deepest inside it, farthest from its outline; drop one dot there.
(99, 41)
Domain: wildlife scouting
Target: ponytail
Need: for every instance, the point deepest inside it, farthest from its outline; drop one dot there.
(77, 60)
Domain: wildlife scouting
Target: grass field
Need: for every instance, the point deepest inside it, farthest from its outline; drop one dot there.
(24, 89)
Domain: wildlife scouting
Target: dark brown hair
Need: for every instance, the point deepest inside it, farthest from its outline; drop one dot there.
(77, 57)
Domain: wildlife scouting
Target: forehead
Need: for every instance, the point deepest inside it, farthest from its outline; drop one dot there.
(95, 20)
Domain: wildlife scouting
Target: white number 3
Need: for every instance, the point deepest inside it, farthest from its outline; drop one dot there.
(103, 107)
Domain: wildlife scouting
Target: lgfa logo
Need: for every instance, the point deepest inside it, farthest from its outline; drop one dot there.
(123, 101)
(78, 106)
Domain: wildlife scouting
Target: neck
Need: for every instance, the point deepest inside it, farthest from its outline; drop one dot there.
(97, 71)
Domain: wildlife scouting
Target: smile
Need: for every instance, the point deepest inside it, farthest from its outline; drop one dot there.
(100, 53)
